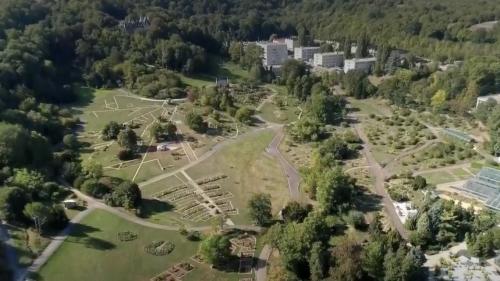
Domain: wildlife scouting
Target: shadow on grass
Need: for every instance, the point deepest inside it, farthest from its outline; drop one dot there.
(151, 207)
(368, 202)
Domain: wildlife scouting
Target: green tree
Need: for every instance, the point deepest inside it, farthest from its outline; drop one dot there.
(14, 141)
(317, 261)
(38, 213)
(373, 259)
(195, 122)
(347, 260)
(92, 168)
(70, 141)
(295, 212)
(127, 194)
(260, 208)
(127, 139)
(334, 191)
(216, 249)
(111, 130)
(244, 115)
(12, 202)
(439, 99)
(30, 180)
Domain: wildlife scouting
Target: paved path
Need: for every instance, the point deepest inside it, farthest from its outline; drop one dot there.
(293, 176)
(55, 243)
(261, 266)
(10, 253)
(380, 175)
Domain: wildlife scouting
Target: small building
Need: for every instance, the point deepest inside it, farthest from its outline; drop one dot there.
(222, 82)
(329, 60)
(305, 53)
(484, 99)
(70, 204)
(363, 64)
(291, 43)
(273, 53)
(166, 146)
(131, 25)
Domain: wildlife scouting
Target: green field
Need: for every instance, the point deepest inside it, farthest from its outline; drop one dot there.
(93, 252)
(218, 68)
(249, 171)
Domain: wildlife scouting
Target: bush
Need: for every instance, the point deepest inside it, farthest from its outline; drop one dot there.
(125, 155)
(94, 188)
(77, 183)
(356, 219)
(193, 236)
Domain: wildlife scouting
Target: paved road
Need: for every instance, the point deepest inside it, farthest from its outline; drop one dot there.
(380, 175)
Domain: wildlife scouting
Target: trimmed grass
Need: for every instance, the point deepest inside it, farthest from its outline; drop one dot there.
(370, 106)
(274, 114)
(249, 171)
(93, 249)
(439, 177)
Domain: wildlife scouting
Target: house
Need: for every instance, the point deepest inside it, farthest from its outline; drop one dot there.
(291, 43)
(328, 60)
(363, 64)
(131, 25)
(273, 53)
(484, 99)
(305, 53)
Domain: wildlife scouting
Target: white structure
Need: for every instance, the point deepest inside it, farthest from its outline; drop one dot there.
(305, 53)
(70, 203)
(291, 44)
(222, 82)
(484, 99)
(166, 146)
(274, 53)
(329, 59)
(364, 64)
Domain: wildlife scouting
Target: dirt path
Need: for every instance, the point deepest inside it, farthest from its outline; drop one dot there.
(389, 166)
(443, 169)
(261, 265)
(380, 175)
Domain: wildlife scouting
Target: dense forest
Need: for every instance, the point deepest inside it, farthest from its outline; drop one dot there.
(48, 46)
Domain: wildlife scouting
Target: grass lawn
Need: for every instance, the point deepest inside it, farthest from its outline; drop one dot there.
(249, 171)
(439, 177)
(93, 249)
(370, 106)
(272, 113)
(218, 68)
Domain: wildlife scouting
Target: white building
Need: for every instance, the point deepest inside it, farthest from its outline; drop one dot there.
(484, 99)
(274, 53)
(364, 64)
(305, 53)
(291, 43)
(329, 59)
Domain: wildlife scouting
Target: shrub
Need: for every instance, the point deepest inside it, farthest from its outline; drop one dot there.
(125, 154)
(126, 236)
(193, 236)
(77, 183)
(356, 219)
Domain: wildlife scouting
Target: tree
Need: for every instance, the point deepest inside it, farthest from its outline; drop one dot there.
(439, 99)
(327, 109)
(127, 195)
(12, 202)
(195, 122)
(373, 259)
(127, 139)
(356, 219)
(347, 260)
(216, 249)
(260, 208)
(92, 168)
(295, 212)
(257, 72)
(14, 141)
(418, 183)
(38, 213)
(424, 229)
(30, 180)
(317, 261)
(244, 115)
(94, 188)
(70, 141)
(111, 130)
(357, 85)
(306, 129)
(334, 191)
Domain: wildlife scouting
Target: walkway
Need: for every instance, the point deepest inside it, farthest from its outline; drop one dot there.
(293, 176)
(261, 266)
(380, 175)
(55, 243)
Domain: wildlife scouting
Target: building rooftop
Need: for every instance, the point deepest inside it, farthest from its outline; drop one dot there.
(486, 187)
(331, 53)
(486, 98)
(363, 59)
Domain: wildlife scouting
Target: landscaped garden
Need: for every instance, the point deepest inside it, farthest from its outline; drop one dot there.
(106, 247)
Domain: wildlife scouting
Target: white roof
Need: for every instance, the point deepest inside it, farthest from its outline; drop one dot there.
(486, 98)
(69, 201)
(364, 59)
(331, 53)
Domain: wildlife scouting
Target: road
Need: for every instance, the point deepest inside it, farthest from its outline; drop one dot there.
(380, 175)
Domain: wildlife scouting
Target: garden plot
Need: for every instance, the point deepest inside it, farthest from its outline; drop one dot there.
(201, 202)
(244, 246)
(395, 135)
(175, 273)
